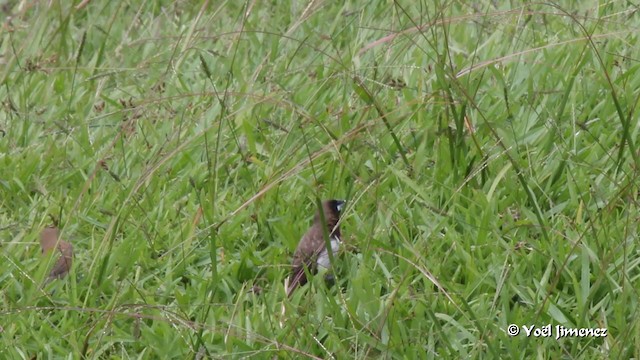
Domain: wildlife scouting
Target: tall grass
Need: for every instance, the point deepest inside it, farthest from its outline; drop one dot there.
(487, 152)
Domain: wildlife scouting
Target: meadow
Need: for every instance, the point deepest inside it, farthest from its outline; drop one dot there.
(487, 152)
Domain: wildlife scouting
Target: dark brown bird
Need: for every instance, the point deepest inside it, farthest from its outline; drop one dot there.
(49, 241)
(311, 252)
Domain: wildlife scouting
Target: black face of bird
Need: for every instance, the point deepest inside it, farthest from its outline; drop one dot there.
(338, 205)
(332, 210)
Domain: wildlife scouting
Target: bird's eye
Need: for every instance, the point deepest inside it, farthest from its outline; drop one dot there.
(340, 205)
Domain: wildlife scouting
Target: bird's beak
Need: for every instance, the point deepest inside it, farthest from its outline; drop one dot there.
(340, 205)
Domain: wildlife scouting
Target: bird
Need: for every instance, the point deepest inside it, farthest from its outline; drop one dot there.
(49, 240)
(311, 252)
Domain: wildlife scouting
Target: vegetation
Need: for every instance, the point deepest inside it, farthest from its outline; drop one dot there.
(488, 152)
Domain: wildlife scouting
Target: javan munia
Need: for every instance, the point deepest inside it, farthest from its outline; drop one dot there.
(311, 252)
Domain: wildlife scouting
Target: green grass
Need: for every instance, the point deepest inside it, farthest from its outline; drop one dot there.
(488, 151)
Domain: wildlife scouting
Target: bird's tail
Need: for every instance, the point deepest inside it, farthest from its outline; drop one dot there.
(296, 279)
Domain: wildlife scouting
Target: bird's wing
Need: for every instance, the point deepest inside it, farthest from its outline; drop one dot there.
(306, 256)
(63, 264)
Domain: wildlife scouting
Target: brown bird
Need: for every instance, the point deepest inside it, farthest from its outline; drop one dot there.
(311, 252)
(49, 241)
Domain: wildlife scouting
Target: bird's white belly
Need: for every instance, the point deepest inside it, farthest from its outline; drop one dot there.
(323, 258)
